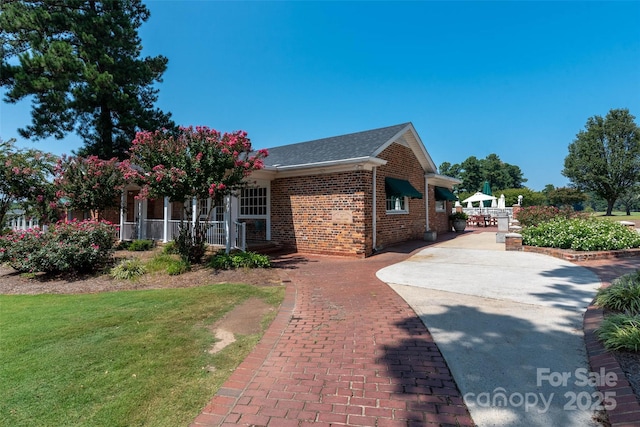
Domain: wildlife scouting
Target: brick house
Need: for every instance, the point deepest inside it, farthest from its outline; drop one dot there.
(347, 195)
(351, 194)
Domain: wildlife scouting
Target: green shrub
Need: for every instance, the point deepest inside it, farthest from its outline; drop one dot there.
(140, 245)
(177, 267)
(581, 234)
(224, 261)
(535, 215)
(170, 248)
(458, 215)
(191, 242)
(620, 332)
(167, 263)
(128, 269)
(623, 295)
(79, 246)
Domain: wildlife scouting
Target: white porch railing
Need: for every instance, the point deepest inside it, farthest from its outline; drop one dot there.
(488, 211)
(240, 236)
(215, 232)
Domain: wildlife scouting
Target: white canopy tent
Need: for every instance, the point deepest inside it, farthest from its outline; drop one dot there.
(479, 197)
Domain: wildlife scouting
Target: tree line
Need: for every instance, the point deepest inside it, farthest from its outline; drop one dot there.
(80, 64)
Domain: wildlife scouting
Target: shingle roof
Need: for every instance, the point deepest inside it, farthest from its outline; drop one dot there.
(350, 146)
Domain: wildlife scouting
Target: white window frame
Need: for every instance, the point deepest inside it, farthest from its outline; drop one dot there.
(398, 209)
(249, 206)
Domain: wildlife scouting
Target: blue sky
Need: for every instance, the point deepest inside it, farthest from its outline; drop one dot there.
(518, 79)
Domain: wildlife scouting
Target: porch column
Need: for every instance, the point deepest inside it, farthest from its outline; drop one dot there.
(139, 219)
(123, 204)
(227, 223)
(165, 220)
(194, 213)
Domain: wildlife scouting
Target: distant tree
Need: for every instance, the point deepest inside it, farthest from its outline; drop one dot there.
(25, 180)
(89, 184)
(471, 174)
(474, 172)
(567, 196)
(448, 169)
(605, 157)
(79, 62)
(529, 197)
(630, 199)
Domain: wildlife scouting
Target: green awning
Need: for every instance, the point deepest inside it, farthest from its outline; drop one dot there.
(401, 188)
(443, 193)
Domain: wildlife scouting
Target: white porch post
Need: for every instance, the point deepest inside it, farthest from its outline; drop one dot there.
(123, 204)
(139, 216)
(227, 223)
(165, 220)
(194, 213)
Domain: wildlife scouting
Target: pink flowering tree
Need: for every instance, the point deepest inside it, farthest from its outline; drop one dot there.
(196, 162)
(89, 184)
(25, 181)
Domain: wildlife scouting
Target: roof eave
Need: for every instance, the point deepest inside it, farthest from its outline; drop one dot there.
(442, 180)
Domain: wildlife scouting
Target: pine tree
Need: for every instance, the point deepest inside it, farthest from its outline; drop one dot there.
(80, 63)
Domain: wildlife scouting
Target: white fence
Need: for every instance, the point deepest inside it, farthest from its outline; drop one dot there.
(488, 211)
(215, 232)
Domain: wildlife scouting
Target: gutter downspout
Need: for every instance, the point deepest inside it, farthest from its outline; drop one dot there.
(426, 190)
(374, 211)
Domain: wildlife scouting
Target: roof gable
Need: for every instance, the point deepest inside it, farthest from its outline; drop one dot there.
(340, 149)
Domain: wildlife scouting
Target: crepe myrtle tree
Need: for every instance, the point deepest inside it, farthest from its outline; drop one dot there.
(25, 180)
(194, 162)
(89, 184)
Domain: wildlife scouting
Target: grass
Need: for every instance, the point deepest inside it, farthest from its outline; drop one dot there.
(618, 216)
(133, 358)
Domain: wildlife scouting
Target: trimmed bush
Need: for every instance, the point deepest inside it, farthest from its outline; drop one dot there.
(535, 215)
(140, 245)
(177, 267)
(128, 269)
(224, 261)
(620, 332)
(623, 295)
(76, 246)
(581, 234)
(170, 248)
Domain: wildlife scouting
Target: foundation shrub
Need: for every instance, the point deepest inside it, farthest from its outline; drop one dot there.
(224, 261)
(76, 246)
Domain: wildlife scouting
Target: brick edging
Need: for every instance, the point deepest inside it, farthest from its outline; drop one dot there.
(215, 412)
(574, 256)
(626, 413)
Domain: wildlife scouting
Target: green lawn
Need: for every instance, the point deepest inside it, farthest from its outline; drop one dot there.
(619, 216)
(132, 358)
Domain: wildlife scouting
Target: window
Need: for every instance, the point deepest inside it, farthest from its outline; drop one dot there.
(440, 205)
(253, 202)
(396, 204)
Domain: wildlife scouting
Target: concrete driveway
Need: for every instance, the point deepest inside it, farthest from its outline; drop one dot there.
(509, 325)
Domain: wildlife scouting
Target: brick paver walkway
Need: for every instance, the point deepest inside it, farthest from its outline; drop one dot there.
(345, 349)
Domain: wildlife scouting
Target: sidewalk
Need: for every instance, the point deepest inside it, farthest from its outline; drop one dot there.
(345, 349)
(501, 318)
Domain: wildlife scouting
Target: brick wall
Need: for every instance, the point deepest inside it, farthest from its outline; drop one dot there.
(328, 214)
(438, 221)
(392, 227)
